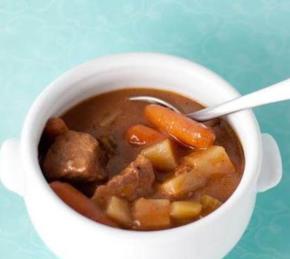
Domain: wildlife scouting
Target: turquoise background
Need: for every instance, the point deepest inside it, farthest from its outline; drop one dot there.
(246, 42)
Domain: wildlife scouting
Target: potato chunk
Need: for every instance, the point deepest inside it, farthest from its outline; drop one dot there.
(213, 160)
(195, 170)
(182, 185)
(185, 210)
(150, 214)
(161, 155)
(209, 204)
(118, 209)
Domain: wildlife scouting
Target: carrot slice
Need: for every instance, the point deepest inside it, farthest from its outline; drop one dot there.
(179, 126)
(141, 135)
(80, 203)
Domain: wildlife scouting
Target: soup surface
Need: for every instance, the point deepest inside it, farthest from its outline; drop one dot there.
(138, 166)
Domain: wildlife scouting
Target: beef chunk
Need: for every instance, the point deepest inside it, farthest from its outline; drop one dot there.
(134, 181)
(73, 156)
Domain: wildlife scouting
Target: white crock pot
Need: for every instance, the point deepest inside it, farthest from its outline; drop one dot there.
(70, 235)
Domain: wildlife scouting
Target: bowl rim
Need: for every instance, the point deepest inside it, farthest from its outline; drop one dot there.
(30, 162)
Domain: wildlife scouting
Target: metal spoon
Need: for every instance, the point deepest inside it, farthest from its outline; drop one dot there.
(271, 94)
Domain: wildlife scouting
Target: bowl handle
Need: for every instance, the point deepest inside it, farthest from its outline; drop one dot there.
(271, 170)
(11, 174)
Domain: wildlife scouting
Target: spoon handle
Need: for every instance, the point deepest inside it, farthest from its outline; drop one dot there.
(274, 93)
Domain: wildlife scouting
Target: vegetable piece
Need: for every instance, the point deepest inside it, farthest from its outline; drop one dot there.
(195, 170)
(80, 203)
(118, 209)
(209, 204)
(141, 135)
(185, 210)
(213, 160)
(54, 127)
(161, 155)
(179, 126)
(110, 118)
(150, 214)
(182, 185)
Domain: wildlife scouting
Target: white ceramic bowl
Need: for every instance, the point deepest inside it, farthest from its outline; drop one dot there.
(71, 235)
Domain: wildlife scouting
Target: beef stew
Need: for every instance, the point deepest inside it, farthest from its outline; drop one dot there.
(137, 166)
